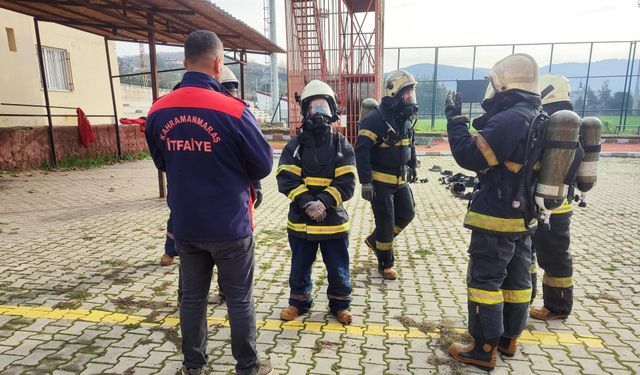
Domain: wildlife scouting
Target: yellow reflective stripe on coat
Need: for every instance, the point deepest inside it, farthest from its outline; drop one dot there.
(557, 282)
(335, 194)
(487, 297)
(290, 168)
(400, 143)
(386, 178)
(317, 181)
(345, 169)
(397, 229)
(319, 229)
(566, 207)
(298, 227)
(328, 229)
(369, 134)
(384, 245)
(513, 166)
(496, 224)
(516, 296)
(297, 191)
(485, 149)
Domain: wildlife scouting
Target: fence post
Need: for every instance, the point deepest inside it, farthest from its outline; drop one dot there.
(433, 97)
(586, 86)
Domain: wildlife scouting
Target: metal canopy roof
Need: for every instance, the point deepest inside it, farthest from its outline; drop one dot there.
(130, 21)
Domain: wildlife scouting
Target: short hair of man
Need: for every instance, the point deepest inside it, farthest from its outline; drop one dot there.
(201, 43)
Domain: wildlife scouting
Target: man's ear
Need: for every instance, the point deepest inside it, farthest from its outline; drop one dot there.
(186, 64)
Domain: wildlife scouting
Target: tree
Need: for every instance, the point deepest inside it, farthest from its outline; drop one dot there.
(604, 95)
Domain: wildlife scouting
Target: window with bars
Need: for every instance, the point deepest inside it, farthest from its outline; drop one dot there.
(57, 68)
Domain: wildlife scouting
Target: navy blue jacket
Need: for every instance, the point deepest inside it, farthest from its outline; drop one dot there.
(496, 152)
(211, 147)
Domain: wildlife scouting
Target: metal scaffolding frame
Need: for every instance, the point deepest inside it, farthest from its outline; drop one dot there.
(341, 43)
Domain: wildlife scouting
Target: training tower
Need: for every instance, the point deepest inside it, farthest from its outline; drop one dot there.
(341, 43)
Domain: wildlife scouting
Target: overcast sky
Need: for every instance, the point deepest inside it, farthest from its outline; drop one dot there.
(464, 22)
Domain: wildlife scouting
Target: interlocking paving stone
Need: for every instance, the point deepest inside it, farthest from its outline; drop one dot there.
(86, 240)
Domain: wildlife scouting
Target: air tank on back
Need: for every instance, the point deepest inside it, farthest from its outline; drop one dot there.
(561, 141)
(590, 132)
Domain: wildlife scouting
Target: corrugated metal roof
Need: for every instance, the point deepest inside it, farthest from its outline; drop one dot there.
(129, 20)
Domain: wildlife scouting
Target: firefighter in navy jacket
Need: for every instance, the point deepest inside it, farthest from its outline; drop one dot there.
(211, 148)
(386, 160)
(316, 172)
(498, 279)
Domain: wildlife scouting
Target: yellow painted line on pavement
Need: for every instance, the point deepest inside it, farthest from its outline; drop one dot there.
(99, 316)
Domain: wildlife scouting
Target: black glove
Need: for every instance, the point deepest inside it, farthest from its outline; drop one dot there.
(368, 192)
(453, 106)
(258, 200)
(413, 175)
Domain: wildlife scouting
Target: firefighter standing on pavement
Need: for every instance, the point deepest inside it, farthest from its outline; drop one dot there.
(551, 243)
(317, 173)
(386, 161)
(498, 279)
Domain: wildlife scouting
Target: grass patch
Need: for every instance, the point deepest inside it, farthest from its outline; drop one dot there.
(603, 296)
(426, 326)
(170, 334)
(114, 262)
(323, 344)
(95, 161)
(447, 335)
(131, 303)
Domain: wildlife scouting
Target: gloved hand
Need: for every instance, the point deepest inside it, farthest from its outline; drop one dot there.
(316, 210)
(453, 106)
(413, 175)
(258, 199)
(368, 192)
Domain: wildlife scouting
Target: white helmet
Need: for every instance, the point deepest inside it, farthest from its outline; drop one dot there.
(554, 88)
(396, 81)
(229, 81)
(515, 72)
(317, 89)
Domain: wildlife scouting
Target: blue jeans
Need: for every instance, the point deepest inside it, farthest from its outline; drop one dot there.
(335, 255)
(235, 260)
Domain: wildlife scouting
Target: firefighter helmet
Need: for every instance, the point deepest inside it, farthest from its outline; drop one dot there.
(314, 89)
(554, 88)
(396, 81)
(367, 105)
(229, 81)
(515, 72)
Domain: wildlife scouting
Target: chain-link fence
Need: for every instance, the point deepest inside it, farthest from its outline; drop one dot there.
(605, 77)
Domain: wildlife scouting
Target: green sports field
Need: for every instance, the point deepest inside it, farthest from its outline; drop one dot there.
(609, 124)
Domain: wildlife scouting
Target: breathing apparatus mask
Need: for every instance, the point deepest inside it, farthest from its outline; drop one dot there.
(405, 103)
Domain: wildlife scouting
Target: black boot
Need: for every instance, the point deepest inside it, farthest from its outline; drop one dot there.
(508, 346)
(480, 353)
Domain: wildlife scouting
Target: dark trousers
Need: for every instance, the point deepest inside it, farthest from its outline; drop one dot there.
(335, 255)
(235, 260)
(393, 209)
(499, 285)
(169, 243)
(551, 245)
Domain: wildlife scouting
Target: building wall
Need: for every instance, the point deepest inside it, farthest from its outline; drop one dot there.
(20, 75)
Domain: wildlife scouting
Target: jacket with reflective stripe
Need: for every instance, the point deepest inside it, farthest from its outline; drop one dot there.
(324, 172)
(372, 154)
(496, 153)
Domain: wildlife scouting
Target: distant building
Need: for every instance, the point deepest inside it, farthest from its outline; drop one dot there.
(75, 67)
(263, 102)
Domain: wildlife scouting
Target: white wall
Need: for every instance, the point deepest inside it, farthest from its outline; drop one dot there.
(20, 75)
